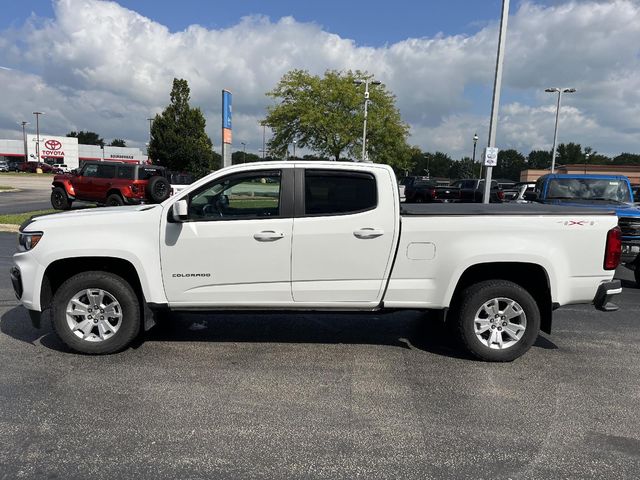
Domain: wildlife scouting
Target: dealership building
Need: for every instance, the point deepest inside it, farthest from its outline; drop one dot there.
(66, 150)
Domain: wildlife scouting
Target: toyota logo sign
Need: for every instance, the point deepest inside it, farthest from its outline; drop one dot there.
(53, 144)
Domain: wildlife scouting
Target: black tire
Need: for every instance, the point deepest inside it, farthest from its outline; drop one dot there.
(59, 199)
(474, 298)
(117, 288)
(636, 274)
(114, 200)
(158, 189)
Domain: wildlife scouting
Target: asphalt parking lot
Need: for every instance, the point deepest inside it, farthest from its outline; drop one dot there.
(320, 396)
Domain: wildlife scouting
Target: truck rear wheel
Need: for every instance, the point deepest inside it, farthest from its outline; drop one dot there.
(497, 320)
(96, 313)
(59, 199)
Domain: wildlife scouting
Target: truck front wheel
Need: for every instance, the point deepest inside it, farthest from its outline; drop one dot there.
(96, 313)
(497, 320)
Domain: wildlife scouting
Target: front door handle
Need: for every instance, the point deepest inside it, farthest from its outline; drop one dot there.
(268, 236)
(365, 233)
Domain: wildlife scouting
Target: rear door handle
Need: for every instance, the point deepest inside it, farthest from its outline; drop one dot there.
(268, 236)
(365, 233)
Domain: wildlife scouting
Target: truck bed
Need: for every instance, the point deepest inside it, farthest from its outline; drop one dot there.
(515, 209)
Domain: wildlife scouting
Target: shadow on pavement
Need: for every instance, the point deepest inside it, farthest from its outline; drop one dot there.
(411, 330)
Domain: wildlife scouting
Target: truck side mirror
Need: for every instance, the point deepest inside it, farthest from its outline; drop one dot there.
(180, 211)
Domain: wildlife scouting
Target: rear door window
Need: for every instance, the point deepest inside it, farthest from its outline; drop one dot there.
(125, 172)
(90, 171)
(330, 192)
(106, 171)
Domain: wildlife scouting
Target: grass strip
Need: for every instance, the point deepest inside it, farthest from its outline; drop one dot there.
(18, 218)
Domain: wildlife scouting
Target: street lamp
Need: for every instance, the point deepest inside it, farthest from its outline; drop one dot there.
(294, 149)
(244, 152)
(586, 159)
(367, 82)
(473, 161)
(559, 91)
(37, 114)
(150, 120)
(24, 138)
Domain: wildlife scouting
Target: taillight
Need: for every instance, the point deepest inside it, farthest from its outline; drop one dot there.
(613, 250)
(134, 188)
(500, 195)
(433, 193)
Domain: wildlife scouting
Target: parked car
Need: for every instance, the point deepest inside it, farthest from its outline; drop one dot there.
(315, 236)
(62, 167)
(14, 165)
(604, 192)
(32, 167)
(518, 192)
(472, 190)
(405, 182)
(111, 183)
(179, 181)
(427, 191)
(4, 166)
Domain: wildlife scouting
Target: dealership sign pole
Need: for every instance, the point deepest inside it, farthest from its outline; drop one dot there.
(226, 128)
(491, 153)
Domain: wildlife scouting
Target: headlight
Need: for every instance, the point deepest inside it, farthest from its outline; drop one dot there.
(28, 240)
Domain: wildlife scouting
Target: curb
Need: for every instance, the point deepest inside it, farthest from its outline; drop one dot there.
(8, 227)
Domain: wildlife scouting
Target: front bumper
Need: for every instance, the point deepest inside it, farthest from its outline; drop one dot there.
(16, 281)
(606, 291)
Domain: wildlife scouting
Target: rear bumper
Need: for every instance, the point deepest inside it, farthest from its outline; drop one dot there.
(606, 291)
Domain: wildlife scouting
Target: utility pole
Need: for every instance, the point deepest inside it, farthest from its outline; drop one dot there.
(37, 114)
(365, 156)
(560, 91)
(473, 161)
(263, 141)
(497, 85)
(24, 139)
(244, 152)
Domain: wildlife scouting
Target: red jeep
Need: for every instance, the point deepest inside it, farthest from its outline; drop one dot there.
(112, 184)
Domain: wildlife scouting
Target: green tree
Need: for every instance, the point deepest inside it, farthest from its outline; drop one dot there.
(569, 153)
(539, 159)
(178, 137)
(87, 138)
(626, 159)
(436, 164)
(240, 156)
(118, 142)
(463, 168)
(510, 164)
(325, 114)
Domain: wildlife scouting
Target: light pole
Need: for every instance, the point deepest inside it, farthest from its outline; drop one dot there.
(150, 120)
(294, 149)
(559, 91)
(244, 152)
(497, 88)
(37, 114)
(263, 140)
(473, 160)
(24, 139)
(586, 159)
(367, 82)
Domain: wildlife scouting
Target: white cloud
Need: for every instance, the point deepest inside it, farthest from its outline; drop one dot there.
(102, 67)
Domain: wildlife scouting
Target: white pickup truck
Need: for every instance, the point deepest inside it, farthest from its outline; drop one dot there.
(314, 236)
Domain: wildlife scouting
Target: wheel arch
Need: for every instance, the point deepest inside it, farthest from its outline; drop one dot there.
(65, 186)
(61, 270)
(114, 191)
(531, 276)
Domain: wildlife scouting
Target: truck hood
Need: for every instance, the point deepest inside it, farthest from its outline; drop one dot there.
(102, 215)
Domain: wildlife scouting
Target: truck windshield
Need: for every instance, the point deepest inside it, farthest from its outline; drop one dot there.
(589, 189)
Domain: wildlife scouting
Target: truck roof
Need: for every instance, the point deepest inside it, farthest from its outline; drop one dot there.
(586, 176)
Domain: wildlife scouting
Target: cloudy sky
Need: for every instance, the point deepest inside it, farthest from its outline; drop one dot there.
(107, 66)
